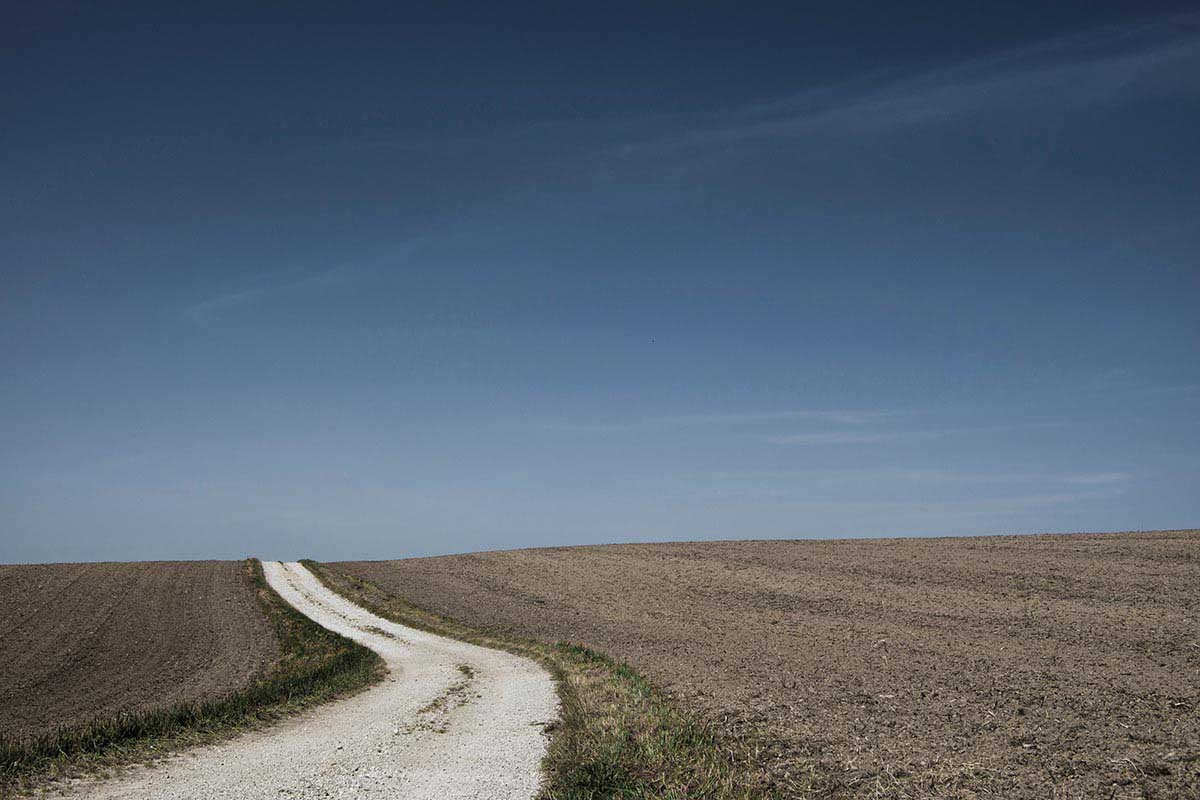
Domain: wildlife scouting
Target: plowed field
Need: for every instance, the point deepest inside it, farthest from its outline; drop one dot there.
(1019, 667)
(82, 640)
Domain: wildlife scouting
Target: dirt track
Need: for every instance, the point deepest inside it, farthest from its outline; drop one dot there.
(451, 721)
(1021, 667)
(78, 640)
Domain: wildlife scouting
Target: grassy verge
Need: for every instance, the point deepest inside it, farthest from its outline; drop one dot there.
(314, 665)
(618, 736)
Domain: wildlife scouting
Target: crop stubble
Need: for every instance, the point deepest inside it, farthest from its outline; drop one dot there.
(1029, 666)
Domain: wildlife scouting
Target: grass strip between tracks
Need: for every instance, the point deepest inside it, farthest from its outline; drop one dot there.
(618, 737)
(314, 665)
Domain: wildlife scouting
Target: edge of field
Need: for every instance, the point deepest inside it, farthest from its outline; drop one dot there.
(315, 665)
(618, 736)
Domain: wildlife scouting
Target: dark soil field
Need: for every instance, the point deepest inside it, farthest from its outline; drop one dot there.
(79, 641)
(1017, 667)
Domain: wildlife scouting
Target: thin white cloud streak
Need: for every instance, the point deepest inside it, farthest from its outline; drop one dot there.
(216, 307)
(1054, 75)
(917, 475)
(835, 437)
(1098, 479)
(849, 437)
(850, 506)
(1013, 504)
(983, 478)
(846, 416)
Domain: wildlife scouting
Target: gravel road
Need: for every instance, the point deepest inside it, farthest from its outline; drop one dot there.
(451, 720)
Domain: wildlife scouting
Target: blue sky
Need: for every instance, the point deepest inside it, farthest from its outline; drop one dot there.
(386, 280)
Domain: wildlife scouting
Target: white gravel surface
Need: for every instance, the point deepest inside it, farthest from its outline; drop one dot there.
(451, 720)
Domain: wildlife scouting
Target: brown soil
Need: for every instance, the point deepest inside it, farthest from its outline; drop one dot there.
(1017, 667)
(83, 640)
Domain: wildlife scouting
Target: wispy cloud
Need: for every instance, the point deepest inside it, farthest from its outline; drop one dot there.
(1101, 66)
(842, 416)
(1098, 479)
(1010, 504)
(848, 416)
(851, 437)
(834, 437)
(935, 476)
(214, 308)
(917, 475)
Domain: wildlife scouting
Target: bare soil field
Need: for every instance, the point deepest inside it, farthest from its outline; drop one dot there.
(1020, 667)
(79, 641)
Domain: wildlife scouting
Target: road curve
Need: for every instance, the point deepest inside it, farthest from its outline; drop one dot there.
(451, 720)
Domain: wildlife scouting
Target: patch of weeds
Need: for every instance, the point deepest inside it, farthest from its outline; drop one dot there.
(434, 715)
(377, 631)
(314, 665)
